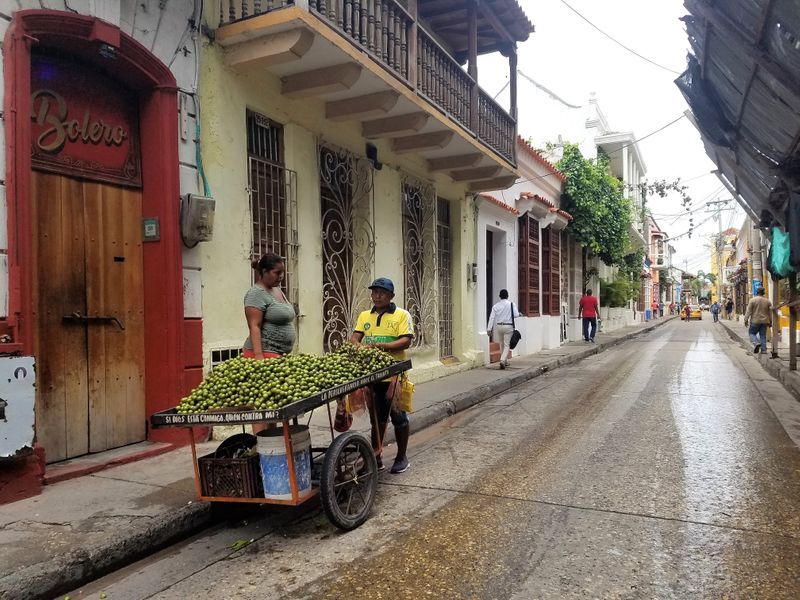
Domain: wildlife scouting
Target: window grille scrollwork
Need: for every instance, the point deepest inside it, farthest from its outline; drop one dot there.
(348, 241)
(420, 259)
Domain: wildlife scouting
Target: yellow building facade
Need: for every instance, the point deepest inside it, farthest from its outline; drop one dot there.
(349, 174)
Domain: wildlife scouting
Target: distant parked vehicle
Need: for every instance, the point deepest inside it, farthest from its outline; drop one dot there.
(696, 312)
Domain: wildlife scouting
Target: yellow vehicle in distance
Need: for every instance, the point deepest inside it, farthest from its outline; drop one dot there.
(695, 312)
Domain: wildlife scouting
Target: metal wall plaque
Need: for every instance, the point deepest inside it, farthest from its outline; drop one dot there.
(17, 400)
(151, 230)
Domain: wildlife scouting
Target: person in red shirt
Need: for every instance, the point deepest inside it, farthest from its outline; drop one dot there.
(587, 310)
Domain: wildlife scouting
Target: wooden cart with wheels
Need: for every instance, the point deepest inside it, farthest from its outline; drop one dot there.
(348, 480)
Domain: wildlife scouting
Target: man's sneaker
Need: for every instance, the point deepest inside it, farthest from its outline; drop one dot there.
(591, 340)
(380, 463)
(400, 466)
(756, 348)
(502, 365)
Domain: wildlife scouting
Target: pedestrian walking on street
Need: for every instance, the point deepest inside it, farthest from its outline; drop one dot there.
(501, 325)
(729, 308)
(587, 310)
(687, 312)
(759, 316)
(660, 309)
(715, 311)
(654, 308)
(388, 327)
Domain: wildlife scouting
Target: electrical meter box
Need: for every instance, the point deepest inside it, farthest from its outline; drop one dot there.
(197, 223)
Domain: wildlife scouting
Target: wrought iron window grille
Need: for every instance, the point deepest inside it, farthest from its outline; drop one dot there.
(420, 260)
(348, 240)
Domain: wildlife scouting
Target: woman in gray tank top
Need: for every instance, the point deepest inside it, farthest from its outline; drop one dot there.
(270, 316)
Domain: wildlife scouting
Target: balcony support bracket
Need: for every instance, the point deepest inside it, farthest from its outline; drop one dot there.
(424, 141)
(270, 50)
(476, 174)
(369, 106)
(327, 80)
(498, 183)
(448, 163)
(394, 126)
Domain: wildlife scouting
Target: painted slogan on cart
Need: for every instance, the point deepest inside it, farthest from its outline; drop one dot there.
(83, 123)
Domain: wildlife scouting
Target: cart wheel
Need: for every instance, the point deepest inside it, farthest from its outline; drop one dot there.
(349, 480)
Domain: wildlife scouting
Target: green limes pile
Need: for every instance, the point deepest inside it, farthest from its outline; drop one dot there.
(271, 384)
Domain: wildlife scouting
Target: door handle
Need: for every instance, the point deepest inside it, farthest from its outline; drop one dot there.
(78, 317)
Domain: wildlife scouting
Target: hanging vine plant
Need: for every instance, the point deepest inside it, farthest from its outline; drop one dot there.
(601, 213)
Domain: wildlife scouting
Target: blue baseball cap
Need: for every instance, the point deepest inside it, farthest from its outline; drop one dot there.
(384, 283)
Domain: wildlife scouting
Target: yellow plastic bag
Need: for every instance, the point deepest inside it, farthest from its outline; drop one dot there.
(405, 398)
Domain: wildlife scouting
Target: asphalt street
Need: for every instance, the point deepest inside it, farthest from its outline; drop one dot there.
(663, 468)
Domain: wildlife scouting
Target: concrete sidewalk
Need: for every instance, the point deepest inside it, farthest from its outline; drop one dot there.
(777, 366)
(80, 529)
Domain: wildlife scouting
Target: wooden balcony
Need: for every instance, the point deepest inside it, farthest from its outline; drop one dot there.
(377, 61)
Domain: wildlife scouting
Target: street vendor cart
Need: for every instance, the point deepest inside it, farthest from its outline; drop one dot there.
(348, 478)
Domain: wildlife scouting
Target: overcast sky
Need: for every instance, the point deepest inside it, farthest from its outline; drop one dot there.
(572, 59)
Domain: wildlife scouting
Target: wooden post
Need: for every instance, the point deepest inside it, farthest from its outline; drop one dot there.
(776, 320)
(412, 43)
(792, 323)
(512, 63)
(472, 37)
(512, 67)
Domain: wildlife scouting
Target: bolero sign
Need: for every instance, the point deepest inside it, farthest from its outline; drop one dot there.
(83, 123)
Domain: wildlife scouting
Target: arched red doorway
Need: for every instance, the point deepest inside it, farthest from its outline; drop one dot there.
(95, 42)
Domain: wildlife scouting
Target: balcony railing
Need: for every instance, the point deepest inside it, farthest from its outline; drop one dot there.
(378, 26)
(386, 31)
(231, 11)
(442, 79)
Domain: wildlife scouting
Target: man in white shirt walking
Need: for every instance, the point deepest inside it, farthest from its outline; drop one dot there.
(501, 325)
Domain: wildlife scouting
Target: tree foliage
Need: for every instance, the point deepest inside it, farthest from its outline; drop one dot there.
(618, 292)
(699, 284)
(663, 188)
(601, 213)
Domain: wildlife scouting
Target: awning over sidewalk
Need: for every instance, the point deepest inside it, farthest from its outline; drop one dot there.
(743, 86)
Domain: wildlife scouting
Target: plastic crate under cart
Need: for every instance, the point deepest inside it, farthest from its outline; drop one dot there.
(232, 470)
(230, 477)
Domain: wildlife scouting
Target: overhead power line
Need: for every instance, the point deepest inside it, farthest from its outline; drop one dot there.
(618, 42)
(648, 135)
(546, 90)
(538, 177)
(549, 92)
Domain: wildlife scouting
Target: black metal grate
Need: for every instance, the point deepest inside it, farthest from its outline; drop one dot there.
(220, 355)
(272, 201)
(419, 255)
(444, 247)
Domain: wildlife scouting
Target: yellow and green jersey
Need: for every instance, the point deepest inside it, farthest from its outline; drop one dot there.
(386, 327)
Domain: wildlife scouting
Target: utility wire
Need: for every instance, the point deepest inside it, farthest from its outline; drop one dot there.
(546, 90)
(648, 135)
(549, 92)
(618, 42)
(609, 153)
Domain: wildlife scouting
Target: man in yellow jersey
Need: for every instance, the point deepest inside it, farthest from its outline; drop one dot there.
(388, 327)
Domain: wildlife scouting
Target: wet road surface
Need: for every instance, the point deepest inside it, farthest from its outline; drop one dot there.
(657, 469)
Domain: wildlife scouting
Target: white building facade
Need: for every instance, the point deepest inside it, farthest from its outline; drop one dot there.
(522, 247)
